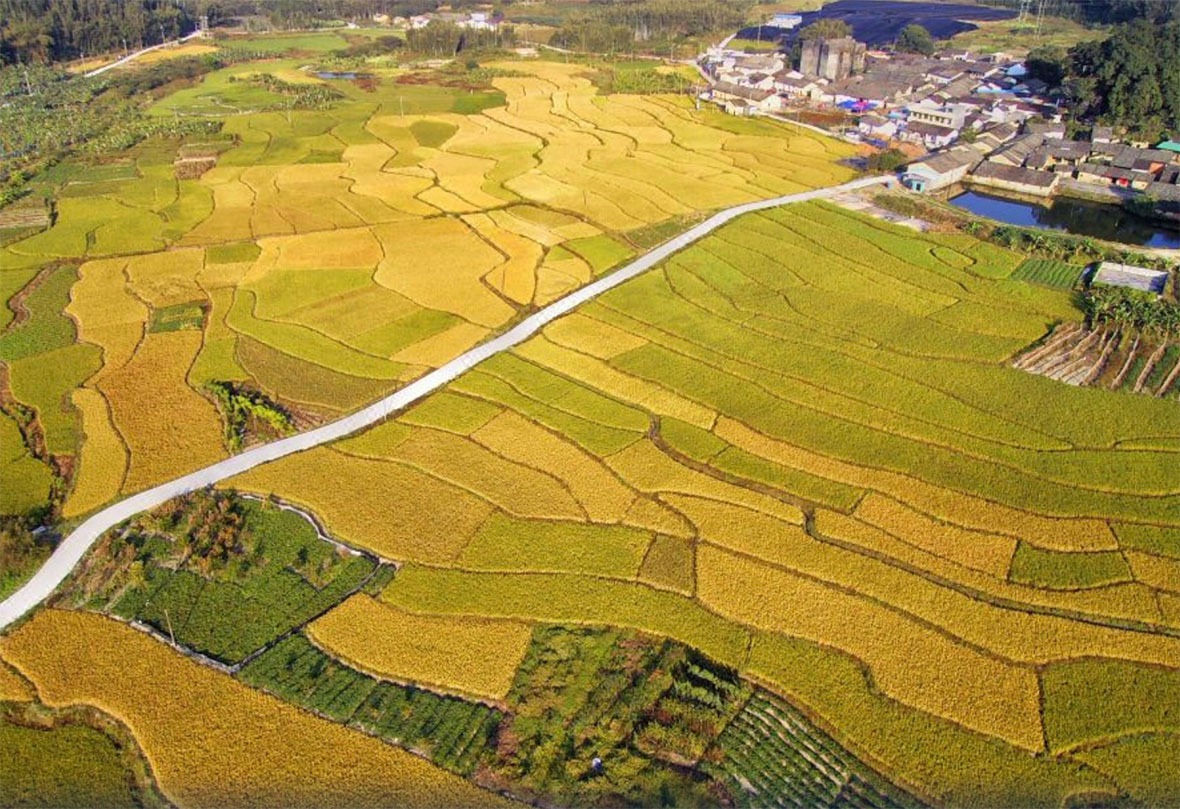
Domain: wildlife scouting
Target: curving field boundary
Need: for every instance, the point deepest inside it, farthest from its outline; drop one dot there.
(74, 547)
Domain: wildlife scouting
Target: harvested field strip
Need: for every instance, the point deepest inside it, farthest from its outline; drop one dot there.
(475, 658)
(208, 736)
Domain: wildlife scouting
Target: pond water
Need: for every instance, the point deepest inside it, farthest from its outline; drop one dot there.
(1082, 218)
(331, 74)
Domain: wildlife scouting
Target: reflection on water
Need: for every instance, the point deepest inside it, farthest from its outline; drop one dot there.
(1074, 216)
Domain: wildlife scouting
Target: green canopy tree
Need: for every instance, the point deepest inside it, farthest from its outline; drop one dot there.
(915, 39)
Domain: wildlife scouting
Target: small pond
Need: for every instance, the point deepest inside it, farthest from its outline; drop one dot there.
(348, 75)
(1082, 218)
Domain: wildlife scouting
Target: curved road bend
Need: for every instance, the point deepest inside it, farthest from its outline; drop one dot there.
(70, 551)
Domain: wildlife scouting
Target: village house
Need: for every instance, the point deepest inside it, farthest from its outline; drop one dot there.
(931, 136)
(876, 126)
(797, 87)
(738, 100)
(1015, 178)
(940, 170)
(946, 116)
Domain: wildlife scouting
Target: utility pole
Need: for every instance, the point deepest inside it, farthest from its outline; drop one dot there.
(170, 633)
(1040, 15)
(1024, 4)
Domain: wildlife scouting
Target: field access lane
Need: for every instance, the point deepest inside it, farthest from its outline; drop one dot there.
(74, 547)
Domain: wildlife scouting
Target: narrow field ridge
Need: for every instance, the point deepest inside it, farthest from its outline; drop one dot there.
(74, 547)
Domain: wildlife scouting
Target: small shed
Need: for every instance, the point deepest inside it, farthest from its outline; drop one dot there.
(1113, 274)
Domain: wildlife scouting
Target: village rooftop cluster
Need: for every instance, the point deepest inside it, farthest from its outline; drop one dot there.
(978, 119)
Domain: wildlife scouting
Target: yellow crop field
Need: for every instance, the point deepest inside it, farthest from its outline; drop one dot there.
(394, 510)
(168, 427)
(103, 462)
(12, 686)
(438, 349)
(163, 279)
(590, 336)
(516, 277)
(909, 661)
(955, 507)
(510, 486)
(601, 376)
(459, 655)
(1132, 601)
(649, 470)
(107, 314)
(209, 737)
(986, 552)
(600, 493)
(418, 259)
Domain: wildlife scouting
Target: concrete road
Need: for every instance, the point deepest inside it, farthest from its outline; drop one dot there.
(71, 550)
(131, 57)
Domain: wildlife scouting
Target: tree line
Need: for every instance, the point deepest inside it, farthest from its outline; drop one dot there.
(1100, 12)
(615, 26)
(1129, 80)
(44, 31)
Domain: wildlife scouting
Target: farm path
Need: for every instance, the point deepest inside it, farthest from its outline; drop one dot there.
(131, 57)
(70, 552)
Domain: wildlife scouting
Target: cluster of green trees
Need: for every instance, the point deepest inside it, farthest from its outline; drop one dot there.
(43, 31)
(247, 411)
(445, 39)
(209, 524)
(1062, 246)
(303, 96)
(615, 27)
(1130, 79)
(1128, 309)
(915, 38)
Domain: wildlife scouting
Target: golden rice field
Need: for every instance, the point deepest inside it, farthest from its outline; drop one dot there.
(477, 658)
(796, 446)
(332, 255)
(212, 740)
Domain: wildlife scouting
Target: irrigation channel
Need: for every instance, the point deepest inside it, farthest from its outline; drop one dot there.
(71, 550)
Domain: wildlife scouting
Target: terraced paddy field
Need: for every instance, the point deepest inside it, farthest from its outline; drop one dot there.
(797, 448)
(332, 254)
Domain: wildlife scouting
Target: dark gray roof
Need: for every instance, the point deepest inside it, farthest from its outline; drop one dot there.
(943, 162)
(1015, 174)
